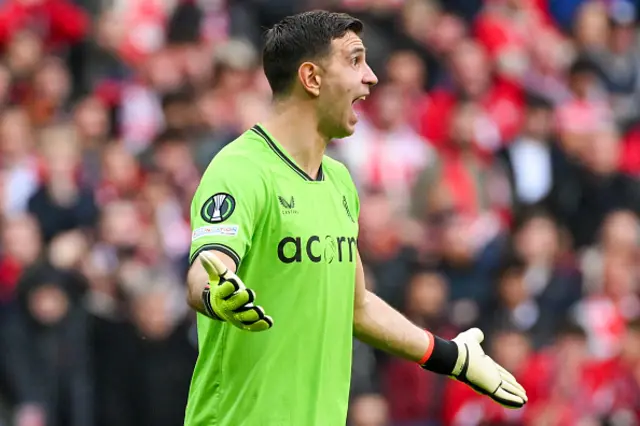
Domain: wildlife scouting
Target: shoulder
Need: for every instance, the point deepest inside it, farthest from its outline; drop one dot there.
(243, 158)
(336, 169)
(249, 147)
(240, 168)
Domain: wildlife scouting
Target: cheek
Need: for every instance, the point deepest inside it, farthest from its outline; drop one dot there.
(341, 83)
(333, 103)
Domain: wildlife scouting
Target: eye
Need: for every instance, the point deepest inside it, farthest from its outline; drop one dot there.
(355, 61)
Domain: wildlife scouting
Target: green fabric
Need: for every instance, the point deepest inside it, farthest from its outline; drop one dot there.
(295, 242)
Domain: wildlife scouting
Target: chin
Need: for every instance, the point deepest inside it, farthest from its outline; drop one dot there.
(344, 132)
(347, 129)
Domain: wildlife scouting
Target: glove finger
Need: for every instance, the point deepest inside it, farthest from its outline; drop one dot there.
(507, 399)
(239, 299)
(508, 377)
(213, 265)
(225, 289)
(261, 325)
(249, 314)
(476, 334)
(512, 389)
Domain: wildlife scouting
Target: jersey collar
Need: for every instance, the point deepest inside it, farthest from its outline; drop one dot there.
(275, 147)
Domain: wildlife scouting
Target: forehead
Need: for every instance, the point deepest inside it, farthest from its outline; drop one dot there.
(347, 43)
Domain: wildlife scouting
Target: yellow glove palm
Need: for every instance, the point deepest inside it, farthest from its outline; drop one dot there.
(483, 374)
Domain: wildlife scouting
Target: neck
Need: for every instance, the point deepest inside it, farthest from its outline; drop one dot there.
(296, 128)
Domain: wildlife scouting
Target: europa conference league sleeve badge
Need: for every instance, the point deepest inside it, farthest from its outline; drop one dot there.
(218, 208)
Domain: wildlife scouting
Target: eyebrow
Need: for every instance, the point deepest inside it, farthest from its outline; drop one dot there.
(359, 49)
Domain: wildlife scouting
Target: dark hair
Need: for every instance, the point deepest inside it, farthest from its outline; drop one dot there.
(634, 325)
(301, 37)
(511, 263)
(169, 137)
(536, 101)
(534, 212)
(185, 24)
(180, 97)
(570, 328)
(583, 65)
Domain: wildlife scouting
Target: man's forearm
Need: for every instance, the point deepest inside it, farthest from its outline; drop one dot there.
(379, 325)
(196, 282)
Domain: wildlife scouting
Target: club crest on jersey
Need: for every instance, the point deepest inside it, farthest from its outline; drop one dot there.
(218, 208)
(288, 206)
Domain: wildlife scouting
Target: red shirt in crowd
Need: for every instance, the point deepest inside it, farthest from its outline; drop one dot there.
(502, 105)
(58, 22)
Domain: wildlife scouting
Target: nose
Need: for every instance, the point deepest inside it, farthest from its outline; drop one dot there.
(369, 78)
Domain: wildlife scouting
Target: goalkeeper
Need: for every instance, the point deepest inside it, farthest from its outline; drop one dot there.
(276, 276)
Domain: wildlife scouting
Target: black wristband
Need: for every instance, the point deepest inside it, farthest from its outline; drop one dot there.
(206, 301)
(443, 358)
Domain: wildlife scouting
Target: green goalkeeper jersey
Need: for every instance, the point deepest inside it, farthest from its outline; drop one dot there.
(294, 241)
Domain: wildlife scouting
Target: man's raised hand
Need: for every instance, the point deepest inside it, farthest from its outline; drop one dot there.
(228, 299)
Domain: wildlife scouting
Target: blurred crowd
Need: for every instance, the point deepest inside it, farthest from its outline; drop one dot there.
(497, 163)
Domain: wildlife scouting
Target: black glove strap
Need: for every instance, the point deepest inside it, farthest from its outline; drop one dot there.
(443, 358)
(206, 301)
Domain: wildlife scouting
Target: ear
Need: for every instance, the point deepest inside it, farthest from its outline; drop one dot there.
(310, 78)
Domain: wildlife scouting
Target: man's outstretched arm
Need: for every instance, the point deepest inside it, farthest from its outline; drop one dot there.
(381, 326)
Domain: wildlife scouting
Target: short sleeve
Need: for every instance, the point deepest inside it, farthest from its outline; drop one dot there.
(226, 208)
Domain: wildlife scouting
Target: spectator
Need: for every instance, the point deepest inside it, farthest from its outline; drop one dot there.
(586, 112)
(22, 247)
(619, 64)
(533, 161)
(18, 159)
(369, 410)
(551, 275)
(595, 188)
(49, 356)
(606, 311)
(62, 203)
(517, 308)
(119, 176)
(47, 100)
(498, 102)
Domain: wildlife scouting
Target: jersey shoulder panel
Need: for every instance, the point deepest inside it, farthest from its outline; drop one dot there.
(336, 169)
(248, 152)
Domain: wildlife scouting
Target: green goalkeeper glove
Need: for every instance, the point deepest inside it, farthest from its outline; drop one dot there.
(227, 298)
(483, 374)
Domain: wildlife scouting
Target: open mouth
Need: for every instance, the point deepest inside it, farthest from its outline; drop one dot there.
(359, 98)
